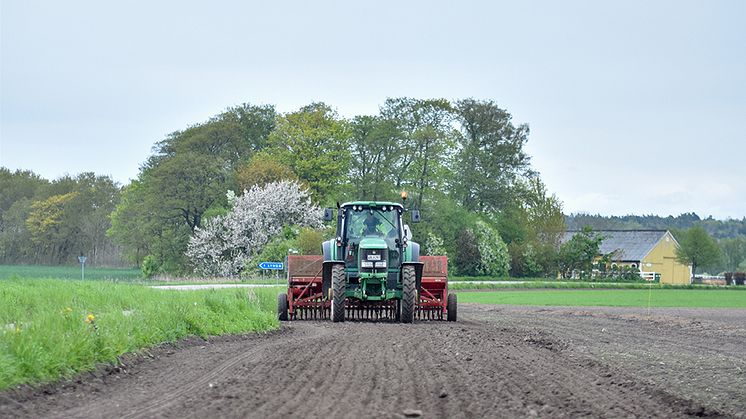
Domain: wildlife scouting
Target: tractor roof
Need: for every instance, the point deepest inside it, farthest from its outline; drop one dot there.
(371, 203)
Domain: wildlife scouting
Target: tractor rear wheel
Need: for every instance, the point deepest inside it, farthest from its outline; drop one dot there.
(409, 294)
(339, 286)
(451, 307)
(282, 306)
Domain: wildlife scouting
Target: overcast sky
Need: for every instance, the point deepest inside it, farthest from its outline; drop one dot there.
(634, 107)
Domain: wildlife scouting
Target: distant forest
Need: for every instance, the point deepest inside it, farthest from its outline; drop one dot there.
(719, 229)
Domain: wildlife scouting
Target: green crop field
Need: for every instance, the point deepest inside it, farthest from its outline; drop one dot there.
(619, 298)
(56, 328)
(458, 286)
(68, 272)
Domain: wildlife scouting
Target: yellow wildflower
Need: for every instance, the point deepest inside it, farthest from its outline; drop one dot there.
(90, 318)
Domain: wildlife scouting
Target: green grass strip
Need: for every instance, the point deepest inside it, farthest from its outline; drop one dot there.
(50, 329)
(68, 272)
(586, 285)
(617, 298)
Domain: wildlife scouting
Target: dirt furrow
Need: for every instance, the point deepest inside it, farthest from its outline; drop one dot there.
(492, 363)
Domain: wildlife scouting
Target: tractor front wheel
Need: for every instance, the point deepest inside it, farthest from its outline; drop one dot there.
(339, 286)
(409, 294)
(451, 307)
(282, 306)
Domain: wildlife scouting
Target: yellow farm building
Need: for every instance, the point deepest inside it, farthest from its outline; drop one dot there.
(653, 252)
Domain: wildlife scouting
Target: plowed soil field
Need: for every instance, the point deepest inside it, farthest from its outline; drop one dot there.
(496, 361)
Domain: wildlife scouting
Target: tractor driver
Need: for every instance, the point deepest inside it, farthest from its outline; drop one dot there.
(371, 225)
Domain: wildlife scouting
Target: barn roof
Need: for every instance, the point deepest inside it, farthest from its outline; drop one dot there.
(626, 245)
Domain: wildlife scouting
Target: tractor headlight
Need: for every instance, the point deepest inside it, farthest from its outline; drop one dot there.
(381, 264)
(366, 264)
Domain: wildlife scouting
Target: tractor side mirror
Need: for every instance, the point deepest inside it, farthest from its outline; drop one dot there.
(415, 216)
(407, 233)
(328, 214)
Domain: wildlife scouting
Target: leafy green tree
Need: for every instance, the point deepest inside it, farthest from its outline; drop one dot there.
(18, 185)
(313, 143)
(89, 218)
(133, 226)
(46, 228)
(532, 224)
(578, 253)
(494, 259)
(17, 190)
(263, 168)
(184, 181)
(445, 218)
(231, 137)
(15, 239)
(433, 245)
(375, 149)
(491, 158)
(467, 258)
(734, 252)
(525, 262)
(309, 241)
(149, 266)
(426, 143)
(697, 248)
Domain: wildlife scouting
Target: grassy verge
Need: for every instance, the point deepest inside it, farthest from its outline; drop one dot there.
(618, 298)
(199, 281)
(492, 278)
(51, 329)
(68, 272)
(543, 279)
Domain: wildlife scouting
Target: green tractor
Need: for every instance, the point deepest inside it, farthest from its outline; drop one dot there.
(371, 264)
(371, 270)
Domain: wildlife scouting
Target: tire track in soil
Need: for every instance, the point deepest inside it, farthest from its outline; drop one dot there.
(472, 368)
(696, 356)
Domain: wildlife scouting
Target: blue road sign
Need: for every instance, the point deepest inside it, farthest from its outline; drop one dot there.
(277, 266)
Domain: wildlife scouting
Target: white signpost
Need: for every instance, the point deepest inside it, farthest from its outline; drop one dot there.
(82, 259)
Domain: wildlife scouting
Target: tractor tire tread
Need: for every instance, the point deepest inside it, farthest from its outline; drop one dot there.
(282, 307)
(452, 307)
(338, 293)
(409, 294)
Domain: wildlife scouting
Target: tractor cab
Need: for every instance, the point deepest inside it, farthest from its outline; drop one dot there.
(372, 236)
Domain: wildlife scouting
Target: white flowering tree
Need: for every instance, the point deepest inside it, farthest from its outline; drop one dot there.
(494, 258)
(434, 245)
(223, 245)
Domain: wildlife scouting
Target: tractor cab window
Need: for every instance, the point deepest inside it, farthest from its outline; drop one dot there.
(371, 222)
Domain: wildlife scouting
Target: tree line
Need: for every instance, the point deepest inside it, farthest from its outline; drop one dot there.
(463, 163)
(53, 222)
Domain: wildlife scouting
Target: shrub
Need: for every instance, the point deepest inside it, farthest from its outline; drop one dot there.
(494, 259)
(309, 241)
(150, 266)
